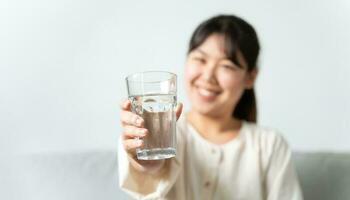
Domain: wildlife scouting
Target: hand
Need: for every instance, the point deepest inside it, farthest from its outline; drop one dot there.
(133, 126)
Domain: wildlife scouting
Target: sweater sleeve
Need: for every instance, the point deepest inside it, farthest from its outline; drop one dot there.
(281, 178)
(146, 186)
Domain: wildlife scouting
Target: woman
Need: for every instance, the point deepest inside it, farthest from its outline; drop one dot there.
(222, 153)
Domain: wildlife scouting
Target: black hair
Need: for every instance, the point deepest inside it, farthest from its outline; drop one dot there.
(239, 36)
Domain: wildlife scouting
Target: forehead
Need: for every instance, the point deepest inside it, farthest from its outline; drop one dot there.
(213, 46)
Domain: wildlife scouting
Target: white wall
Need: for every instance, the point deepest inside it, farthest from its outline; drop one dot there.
(63, 63)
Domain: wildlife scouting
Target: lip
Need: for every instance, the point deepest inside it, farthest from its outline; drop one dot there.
(207, 94)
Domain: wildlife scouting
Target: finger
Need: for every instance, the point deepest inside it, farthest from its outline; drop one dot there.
(178, 110)
(133, 132)
(129, 118)
(130, 145)
(125, 104)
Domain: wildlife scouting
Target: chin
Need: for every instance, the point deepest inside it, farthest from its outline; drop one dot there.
(207, 110)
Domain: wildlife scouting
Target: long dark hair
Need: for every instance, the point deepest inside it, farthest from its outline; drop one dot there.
(241, 37)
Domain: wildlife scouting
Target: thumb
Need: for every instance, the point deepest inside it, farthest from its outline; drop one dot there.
(178, 110)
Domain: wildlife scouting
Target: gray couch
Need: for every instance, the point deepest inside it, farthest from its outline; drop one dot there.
(93, 176)
(324, 176)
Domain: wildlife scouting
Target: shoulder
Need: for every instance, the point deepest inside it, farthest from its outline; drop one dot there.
(263, 138)
(269, 144)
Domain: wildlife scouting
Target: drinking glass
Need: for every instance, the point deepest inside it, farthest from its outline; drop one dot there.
(153, 97)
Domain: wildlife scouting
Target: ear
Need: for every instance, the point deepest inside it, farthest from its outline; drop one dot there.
(250, 78)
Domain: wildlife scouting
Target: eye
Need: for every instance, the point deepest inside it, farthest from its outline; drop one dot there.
(199, 59)
(230, 67)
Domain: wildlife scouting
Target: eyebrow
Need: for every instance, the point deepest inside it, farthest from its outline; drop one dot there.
(201, 51)
(224, 58)
(206, 54)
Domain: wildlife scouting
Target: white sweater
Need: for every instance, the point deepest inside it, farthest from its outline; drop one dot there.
(255, 165)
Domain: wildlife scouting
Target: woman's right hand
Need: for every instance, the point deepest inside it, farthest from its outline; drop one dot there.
(133, 127)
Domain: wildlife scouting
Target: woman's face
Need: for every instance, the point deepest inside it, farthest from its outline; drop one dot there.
(214, 84)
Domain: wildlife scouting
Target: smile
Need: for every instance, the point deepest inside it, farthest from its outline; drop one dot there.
(207, 94)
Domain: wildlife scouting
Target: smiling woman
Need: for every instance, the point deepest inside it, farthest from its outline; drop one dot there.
(214, 82)
(221, 152)
(236, 47)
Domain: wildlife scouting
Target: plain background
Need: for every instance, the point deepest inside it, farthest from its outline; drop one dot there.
(63, 64)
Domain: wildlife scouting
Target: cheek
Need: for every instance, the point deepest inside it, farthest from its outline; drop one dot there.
(230, 81)
(191, 72)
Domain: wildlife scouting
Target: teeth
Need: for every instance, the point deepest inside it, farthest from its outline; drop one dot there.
(205, 92)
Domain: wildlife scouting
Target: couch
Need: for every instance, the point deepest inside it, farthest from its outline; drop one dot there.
(93, 176)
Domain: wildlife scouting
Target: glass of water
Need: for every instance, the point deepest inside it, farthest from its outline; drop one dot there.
(153, 97)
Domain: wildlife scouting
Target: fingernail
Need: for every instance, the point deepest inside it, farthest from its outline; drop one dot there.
(142, 132)
(138, 142)
(138, 121)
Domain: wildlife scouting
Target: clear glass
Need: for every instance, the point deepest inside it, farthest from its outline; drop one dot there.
(153, 97)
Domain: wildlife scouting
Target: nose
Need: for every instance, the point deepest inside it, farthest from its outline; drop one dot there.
(208, 73)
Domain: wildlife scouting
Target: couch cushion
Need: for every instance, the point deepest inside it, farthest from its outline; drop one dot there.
(324, 176)
(62, 176)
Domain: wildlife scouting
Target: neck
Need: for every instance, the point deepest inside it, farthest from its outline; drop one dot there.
(213, 124)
